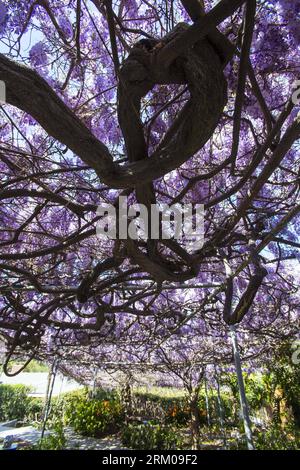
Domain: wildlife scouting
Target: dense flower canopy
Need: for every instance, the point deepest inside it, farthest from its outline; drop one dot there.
(164, 102)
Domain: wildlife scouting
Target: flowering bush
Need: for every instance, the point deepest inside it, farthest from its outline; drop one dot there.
(177, 414)
(94, 417)
(162, 405)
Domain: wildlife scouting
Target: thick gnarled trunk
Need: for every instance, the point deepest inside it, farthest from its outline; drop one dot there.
(195, 422)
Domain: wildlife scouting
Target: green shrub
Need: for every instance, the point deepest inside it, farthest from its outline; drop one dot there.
(58, 407)
(68, 401)
(14, 402)
(277, 439)
(151, 437)
(55, 441)
(168, 408)
(229, 407)
(75, 395)
(101, 394)
(177, 414)
(34, 411)
(94, 417)
(158, 396)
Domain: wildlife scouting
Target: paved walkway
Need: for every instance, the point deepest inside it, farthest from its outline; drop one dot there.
(26, 433)
(31, 435)
(74, 441)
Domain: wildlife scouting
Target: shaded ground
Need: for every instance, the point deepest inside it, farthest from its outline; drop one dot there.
(31, 435)
(74, 441)
(25, 433)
